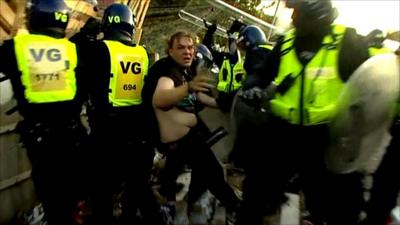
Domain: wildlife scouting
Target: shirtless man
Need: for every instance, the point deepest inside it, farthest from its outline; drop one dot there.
(175, 94)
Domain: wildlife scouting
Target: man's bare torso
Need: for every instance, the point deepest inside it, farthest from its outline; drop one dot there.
(174, 123)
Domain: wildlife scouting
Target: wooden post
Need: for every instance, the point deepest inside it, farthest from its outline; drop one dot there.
(139, 7)
(7, 16)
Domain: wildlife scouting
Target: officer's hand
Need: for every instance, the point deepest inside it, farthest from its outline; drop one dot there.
(210, 28)
(251, 96)
(201, 82)
(235, 27)
(252, 93)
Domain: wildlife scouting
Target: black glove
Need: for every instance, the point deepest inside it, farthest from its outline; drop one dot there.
(210, 28)
(252, 96)
(252, 93)
(236, 26)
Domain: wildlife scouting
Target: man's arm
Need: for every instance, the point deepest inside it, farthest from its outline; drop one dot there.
(207, 100)
(167, 95)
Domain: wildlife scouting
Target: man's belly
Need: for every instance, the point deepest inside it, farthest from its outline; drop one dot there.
(174, 124)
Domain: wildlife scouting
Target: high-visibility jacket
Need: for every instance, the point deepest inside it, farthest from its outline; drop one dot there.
(129, 66)
(314, 88)
(48, 67)
(230, 76)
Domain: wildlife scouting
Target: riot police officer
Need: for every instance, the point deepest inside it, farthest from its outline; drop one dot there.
(44, 69)
(253, 42)
(231, 72)
(308, 67)
(116, 69)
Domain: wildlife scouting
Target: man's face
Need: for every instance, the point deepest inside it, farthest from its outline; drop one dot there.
(182, 51)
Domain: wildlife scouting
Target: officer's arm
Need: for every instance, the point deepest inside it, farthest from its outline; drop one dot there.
(167, 95)
(255, 66)
(6, 92)
(208, 39)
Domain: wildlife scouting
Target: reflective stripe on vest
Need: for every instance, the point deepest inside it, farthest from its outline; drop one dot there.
(224, 76)
(48, 67)
(239, 75)
(312, 95)
(269, 47)
(129, 66)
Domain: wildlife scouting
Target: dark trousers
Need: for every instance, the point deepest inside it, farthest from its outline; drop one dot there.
(290, 150)
(207, 172)
(386, 184)
(122, 164)
(57, 156)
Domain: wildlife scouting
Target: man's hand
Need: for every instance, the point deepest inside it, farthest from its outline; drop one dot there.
(201, 82)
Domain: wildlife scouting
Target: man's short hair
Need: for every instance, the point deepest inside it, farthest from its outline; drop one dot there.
(178, 35)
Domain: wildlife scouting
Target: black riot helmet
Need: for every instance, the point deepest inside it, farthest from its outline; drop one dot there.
(47, 16)
(203, 54)
(204, 59)
(312, 13)
(118, 22)
(251, 36)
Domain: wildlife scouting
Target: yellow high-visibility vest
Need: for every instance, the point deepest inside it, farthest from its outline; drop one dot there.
(48, 67)
(314, 90)
(231, 78)
(129, 66)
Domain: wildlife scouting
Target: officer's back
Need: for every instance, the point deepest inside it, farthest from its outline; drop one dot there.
(41, 66)
(116, 68)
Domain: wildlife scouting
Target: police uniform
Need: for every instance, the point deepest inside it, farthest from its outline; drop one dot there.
(119, 130)
(308, 84)
(122, 154)
(47, 84)
(254, 67)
